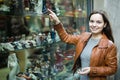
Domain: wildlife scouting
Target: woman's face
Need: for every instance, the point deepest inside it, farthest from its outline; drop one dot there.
(96, 23)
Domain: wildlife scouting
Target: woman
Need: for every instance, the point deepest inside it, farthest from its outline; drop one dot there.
(96, 53)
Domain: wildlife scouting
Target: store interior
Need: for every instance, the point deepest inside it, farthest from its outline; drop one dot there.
(30, 46)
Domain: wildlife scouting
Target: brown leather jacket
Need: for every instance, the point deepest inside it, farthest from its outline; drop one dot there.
(103, 61)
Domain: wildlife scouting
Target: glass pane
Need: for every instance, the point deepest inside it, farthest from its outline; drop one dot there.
(30, 46)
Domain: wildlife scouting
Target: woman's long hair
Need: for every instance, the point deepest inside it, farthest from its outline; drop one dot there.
(107, 30)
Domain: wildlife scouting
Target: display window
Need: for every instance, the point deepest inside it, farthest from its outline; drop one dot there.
(29, 45)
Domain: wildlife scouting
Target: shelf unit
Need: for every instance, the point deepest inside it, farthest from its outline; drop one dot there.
(72, 13)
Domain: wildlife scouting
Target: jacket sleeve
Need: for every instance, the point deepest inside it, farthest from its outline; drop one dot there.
(110, 66)
(64, 36)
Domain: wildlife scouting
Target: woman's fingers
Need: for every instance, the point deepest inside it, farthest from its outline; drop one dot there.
(50, 11)
(84, 71)
(53, 17)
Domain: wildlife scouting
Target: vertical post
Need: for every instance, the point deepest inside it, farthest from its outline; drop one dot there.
(89, 9)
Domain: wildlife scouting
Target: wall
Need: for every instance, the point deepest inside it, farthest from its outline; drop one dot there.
(113, 9)
(98, 4)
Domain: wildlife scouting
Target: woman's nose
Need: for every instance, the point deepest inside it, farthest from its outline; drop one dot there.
(94, 24)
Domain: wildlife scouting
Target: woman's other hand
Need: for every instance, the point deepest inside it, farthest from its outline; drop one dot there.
(84, 71)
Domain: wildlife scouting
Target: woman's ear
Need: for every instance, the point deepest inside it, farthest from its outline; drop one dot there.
(105, 25)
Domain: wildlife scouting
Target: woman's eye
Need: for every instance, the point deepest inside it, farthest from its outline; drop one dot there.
(99, 22)
(91, 21)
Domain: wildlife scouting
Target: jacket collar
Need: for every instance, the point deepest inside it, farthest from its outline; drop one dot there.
(90, 34)
(86, 36)
(103, 43)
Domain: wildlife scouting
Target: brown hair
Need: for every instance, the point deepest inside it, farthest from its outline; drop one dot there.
(107, 30)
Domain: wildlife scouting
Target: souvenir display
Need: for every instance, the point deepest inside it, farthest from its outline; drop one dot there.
(30, 45)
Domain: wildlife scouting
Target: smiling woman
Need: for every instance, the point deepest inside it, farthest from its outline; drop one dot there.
(96, 52)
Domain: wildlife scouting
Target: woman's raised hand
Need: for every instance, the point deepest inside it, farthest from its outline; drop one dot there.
(53, 17)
